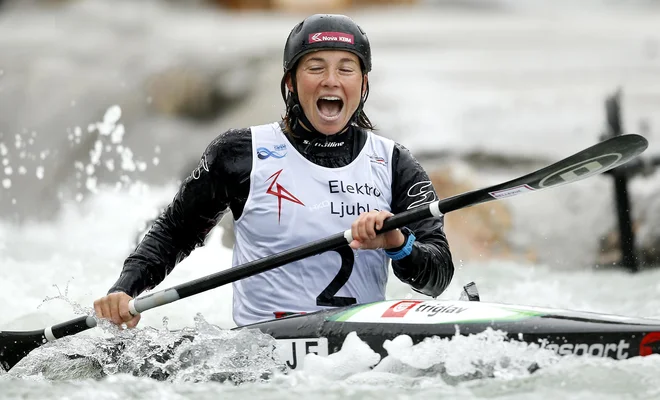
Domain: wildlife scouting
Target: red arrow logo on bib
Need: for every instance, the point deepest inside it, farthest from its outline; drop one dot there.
(281, 194)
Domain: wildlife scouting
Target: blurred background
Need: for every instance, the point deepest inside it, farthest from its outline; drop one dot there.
(98, 98)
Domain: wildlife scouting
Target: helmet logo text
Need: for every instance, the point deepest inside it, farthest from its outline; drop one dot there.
(331, 37)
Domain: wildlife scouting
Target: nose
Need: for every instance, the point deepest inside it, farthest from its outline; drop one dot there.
(331, 78)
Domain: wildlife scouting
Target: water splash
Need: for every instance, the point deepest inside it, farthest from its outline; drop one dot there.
(200, 354)
(107, 151)
(434, 361)
(75, 306)
(489, 354)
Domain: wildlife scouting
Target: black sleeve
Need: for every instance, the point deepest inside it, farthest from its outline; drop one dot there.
(220, 181)
(429, 267)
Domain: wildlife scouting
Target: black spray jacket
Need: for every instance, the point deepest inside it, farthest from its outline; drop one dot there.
(222, 180)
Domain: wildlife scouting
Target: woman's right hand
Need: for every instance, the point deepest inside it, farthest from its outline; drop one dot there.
(114, 307)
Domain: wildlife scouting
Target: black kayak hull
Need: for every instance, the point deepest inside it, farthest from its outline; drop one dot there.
(566, 332)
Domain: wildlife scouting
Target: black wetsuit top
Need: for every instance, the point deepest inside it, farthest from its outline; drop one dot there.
(223, 182)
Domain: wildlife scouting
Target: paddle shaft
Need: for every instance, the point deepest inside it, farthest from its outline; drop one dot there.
(277, 260)
(596, 159)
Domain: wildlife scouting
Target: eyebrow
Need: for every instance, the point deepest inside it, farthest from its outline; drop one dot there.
(345, 59)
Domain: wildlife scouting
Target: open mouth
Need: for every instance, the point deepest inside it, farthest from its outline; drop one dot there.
(330, 107)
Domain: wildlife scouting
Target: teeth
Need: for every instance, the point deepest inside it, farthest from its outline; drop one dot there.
(334, 98)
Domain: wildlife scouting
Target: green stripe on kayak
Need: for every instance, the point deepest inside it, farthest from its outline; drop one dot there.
(520, 315)
(343, 316)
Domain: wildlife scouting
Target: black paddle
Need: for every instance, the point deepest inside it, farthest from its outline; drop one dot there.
(593, 160)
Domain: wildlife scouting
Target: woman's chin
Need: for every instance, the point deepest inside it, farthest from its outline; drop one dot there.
(329, 126)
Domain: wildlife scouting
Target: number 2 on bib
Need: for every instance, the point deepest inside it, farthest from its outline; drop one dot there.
(327, 296)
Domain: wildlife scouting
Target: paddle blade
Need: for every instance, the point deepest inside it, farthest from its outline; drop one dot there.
(596, 159)
(16, 345)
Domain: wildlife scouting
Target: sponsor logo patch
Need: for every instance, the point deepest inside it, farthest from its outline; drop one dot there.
(203, 166)
(279, 151)
(650, 344)
(323, 144)
(331, 37)
(431, 310)
(376, 159)
(613, 350)
(422, 193)
(400, 309)
(281, 193)
(500, 194)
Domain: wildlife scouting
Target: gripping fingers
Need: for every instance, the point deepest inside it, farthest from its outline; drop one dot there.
(367, 227)
(105, 310)
(124, 313)
(364, 227)
(97, 308)
(355, 231)
(380, 219)
(132, 323)
(370, 224)
(114, 310)
(358, 228)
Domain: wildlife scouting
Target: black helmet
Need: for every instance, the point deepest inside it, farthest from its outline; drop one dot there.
(326, 32)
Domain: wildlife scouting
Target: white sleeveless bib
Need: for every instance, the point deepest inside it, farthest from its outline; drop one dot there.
(292, 202)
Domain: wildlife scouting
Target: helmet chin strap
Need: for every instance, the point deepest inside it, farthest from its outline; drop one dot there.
(293, 103)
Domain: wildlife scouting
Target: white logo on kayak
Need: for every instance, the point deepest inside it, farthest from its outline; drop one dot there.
(617, 350)
(424, 193)
(402, 306)
(432, 310)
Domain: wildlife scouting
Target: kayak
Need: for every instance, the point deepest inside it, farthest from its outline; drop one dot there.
(324, 333)
(564, 331)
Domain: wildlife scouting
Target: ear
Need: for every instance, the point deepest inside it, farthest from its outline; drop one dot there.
(365, 85)
(288, 81)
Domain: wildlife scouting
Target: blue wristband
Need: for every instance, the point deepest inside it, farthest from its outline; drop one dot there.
(405, 251)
